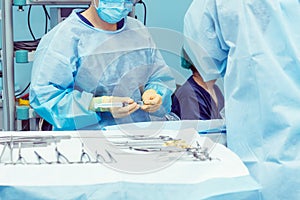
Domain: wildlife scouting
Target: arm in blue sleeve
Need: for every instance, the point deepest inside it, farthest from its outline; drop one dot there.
(52, 93)
(163, 82)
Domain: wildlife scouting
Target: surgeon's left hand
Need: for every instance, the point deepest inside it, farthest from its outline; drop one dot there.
(152, 101)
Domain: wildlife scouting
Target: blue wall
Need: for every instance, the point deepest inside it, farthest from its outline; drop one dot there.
(168, 15)
(164, 18)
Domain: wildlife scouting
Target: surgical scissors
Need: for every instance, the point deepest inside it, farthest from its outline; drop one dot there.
(84, 158)
(21, 159)
(61, 159)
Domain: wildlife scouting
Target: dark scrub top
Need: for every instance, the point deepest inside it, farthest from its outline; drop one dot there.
(192, 102)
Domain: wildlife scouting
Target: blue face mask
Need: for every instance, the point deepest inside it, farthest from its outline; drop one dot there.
(113, 11)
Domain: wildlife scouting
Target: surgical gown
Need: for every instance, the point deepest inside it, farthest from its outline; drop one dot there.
(75, 62)
(255, 45)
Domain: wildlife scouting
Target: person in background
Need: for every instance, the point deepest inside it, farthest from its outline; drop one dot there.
(196, 99)
(97, 58)
(254, 45)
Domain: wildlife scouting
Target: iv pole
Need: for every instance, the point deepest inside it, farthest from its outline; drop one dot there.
(8, 94)
(8, 67)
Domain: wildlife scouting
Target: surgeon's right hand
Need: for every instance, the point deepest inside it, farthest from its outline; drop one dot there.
(117, 112)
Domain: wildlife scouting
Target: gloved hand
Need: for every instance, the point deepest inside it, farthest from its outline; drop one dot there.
(129, 106)
(152, 101)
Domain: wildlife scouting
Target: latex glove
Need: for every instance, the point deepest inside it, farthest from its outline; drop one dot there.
(129, 106)
(152, 101)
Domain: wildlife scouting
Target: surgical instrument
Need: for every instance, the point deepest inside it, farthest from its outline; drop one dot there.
(84, 158)
(21, 159)
(61, 159)
(41, 160)
(101, 159)
(115, 104)
(213, 130)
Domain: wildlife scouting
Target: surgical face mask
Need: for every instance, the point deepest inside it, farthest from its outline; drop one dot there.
(113, 11)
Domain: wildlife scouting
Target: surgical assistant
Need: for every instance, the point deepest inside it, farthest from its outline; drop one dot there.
(255, 46)
(193, 102)
(78, 64)
(197, 99)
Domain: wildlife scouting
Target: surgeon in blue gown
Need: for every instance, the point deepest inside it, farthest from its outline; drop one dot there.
(99, 55)
(255, 45)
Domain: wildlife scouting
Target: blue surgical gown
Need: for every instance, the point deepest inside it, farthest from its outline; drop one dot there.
(75, 62)
(255, 45)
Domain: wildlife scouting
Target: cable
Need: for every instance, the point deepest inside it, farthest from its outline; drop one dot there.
(26, 45)
(28, 22)
(46, 23)
(145, 11)
(23, 90)
(47, 16)
(31, 45)
(46, 12)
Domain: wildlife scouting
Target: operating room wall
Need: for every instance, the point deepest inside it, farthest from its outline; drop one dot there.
(164, 18)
